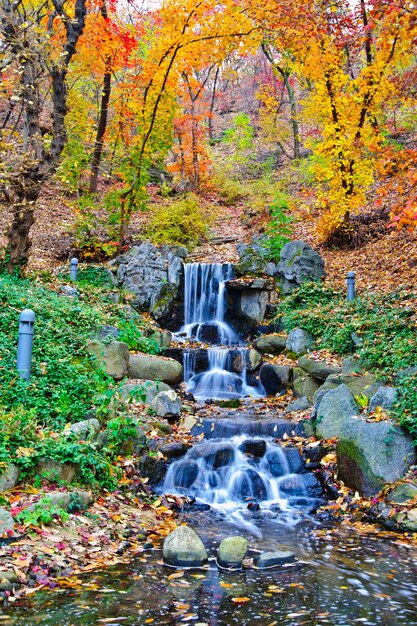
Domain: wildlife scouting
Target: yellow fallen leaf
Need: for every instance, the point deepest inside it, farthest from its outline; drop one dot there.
(241, 600)
(176, 575)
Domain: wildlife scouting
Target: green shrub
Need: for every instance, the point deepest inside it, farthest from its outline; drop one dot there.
(279, 230)
(181, 222)
(43, 512)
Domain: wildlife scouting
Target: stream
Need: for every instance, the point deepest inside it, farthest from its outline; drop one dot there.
(243, 482)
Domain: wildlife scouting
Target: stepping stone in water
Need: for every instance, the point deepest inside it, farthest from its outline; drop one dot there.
(271, 559)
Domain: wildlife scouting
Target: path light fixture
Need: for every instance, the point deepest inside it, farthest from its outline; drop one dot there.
(25, 343)
(74, 269)
(351, 290)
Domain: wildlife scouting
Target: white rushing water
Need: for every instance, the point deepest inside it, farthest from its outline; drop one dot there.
(205, 308)
(233, 475)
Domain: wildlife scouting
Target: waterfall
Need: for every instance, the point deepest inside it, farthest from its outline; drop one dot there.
(230, 474)
(205, 303)
(205, 308)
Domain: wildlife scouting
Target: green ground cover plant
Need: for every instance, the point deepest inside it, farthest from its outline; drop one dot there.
(380, 328)
(66, 382)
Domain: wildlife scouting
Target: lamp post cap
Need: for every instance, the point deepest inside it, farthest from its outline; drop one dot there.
(27, 316)
(351, 274)
(74, 261)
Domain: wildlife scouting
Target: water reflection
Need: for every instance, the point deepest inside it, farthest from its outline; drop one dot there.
(342, 578)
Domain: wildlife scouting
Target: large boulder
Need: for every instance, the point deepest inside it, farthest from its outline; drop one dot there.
(298, 263)
(167, 404)
(9, 477)
(271, 344)
(319, 369)
(231, 552)
(248, 302)
(385, 398)
(184, 548)
(148, 366)
(305, 386)
(84, 429)
(275, 378)
(336, 406)
(299, 341)
(154, 275)
(251, 259)
(54, 470)
(113, 357)
(371, 454)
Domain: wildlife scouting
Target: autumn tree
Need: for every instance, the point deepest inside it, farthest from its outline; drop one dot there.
(39, 40)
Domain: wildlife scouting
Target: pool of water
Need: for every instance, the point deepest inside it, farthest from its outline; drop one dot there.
(341, 577)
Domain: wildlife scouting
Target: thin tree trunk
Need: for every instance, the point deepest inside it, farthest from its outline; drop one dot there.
(103, 116)
(212, 101)
(101, 129)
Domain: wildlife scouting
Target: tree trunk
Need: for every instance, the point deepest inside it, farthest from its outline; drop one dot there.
(101, 129)
(23, 219)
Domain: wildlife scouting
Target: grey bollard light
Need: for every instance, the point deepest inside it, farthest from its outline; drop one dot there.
(25, 343)
(351, 290)
(74, 269)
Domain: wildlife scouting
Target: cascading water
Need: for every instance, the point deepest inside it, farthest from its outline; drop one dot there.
(205, 304)
(239, 474)
(204, 321)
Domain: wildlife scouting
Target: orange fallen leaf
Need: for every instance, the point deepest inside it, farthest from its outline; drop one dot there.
(240, 600)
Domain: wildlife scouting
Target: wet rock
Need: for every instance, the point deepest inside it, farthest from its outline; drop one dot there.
(54, 470)
(371, 454)
(292, 486)
(185, 474)
(317, 369)
(271, 559)
(312, 485)
(255, 447)
(278, 463)
(249, 486)
(249, 424)
(248, 302)
(294, 459)
(221, 456)
(209, 333)
(298, 263)
(231, 552)
(403, 493)
(301, 404)
(167, 404)
(305, 387)
(174, 449)
(299, 341)
(113, 357)
(336, 407)
(253, 361)
(275, 378)
(9, 477)
(271, 344)
(385, 398)
(152, 367)
(6, 522)
(153, 468)
(86, 428)
(184, 548)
